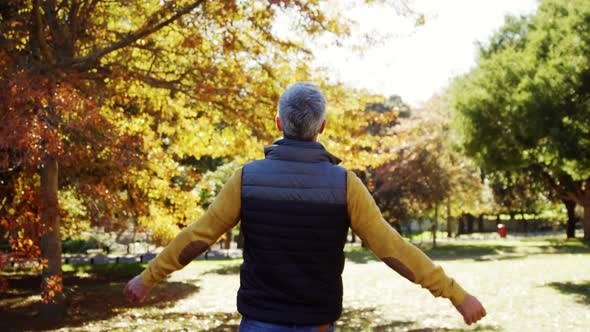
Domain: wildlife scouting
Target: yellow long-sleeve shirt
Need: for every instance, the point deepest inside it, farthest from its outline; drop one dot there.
(365, 220)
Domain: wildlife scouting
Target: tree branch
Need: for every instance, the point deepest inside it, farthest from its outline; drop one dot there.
(561, 188)
(40, 36)
(90, 59)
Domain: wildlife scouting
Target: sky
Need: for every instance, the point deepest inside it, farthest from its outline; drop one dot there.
(415, 62)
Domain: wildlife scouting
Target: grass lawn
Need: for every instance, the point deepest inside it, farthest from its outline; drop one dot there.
(538, 284)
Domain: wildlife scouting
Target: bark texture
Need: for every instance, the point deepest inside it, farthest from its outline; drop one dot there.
(51, 279)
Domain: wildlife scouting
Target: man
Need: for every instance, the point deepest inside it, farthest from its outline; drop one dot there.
(296, 206)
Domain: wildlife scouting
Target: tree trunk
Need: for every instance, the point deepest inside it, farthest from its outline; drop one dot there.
(461, 228)
(435, 226)
(586, 222)
(53, 308)
(240, 238)
(227, 243)
(480, 223)
(470, 221)
(449, 228)
(571, 218)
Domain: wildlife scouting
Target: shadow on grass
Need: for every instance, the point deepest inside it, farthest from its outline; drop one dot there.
(370, 319)
(359, 255)
(91, 295)
(225, 269)
(441, 252)
(454, 251)
(367, 319)
(482, 251)
(352, 319)
(580, 290)
(181, 321)
(478, 327)
(571, 246)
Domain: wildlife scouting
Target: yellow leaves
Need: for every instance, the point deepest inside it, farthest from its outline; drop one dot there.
(75, 218)
(204, 88)
(161, 224)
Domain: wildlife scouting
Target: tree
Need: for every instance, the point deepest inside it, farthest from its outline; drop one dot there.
(426, 172)
(516, 193)
(112, 106)
(210, 185)
(525, 106)
(126, 112)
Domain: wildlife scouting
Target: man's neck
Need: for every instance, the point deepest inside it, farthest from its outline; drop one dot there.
(315, 139)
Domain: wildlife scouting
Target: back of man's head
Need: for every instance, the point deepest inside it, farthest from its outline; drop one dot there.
(302, 110)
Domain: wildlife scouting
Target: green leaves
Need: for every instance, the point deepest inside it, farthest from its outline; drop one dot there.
(516, 107)
(525, 107)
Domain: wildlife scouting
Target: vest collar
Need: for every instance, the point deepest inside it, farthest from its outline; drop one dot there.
(303, 151)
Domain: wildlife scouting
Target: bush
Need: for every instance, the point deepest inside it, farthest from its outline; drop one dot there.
(79, 246)
(111, 270)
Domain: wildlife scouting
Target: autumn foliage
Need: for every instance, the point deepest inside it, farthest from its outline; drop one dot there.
(110, 119)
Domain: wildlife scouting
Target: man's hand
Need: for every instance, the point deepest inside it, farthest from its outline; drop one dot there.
(471, 309)
(136, 290)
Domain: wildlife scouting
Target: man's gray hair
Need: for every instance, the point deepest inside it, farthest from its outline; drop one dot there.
(302, 110)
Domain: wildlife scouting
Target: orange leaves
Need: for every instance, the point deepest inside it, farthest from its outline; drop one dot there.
(192, 41)
(22, 222)
(52, 286)
(24, 247)
(134, 130)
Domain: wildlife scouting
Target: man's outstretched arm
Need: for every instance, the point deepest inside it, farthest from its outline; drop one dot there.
(221, 216)
(400, 255)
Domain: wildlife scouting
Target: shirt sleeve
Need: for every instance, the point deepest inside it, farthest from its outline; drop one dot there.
(386, 243)
(221, 216)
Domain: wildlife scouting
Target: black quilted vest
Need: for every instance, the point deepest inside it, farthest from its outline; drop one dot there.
(295, 222)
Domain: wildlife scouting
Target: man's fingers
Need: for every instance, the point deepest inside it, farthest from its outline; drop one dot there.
(481, 313)
(468, 321)
(131, 297)
(473, 317)
(126, 291)
(467, 318)
(471, 310)
(135, 291)
(478, 315)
